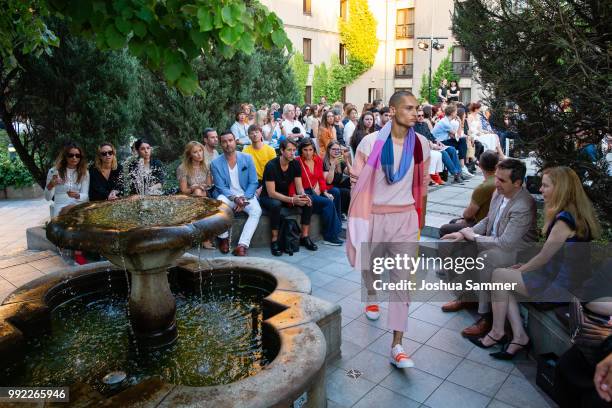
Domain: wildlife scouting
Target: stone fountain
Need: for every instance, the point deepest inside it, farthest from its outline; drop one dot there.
(270, 346)
(143, 235)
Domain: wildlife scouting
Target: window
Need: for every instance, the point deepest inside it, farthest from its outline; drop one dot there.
(466, 96)
(344, 9)
(404, 23)
(374, 93)
(307, 46)
(307, 6)
(308, 95)
(403, 63)
(461, 62)
(403, 89)
(342, 54)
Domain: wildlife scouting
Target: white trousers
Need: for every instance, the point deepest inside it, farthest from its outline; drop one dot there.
(435, 162)
(254, 212)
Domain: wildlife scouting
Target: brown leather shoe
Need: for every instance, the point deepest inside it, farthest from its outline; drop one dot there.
(240, 250)
(457, 305)
(478, 329)
(224, 245)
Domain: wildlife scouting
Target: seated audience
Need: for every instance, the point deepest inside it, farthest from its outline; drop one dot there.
(338, 125)
(509, 227)
(105, 176)
(240, 128)
(193, 174)
(336, 169)
(68, 180)
(447, 154)
(279, 174)
(447, 131)
(235, 180)
(146, 174)
(569, 216)
(481, 197)
(327, 132)
(325, 201)
(210, 142)
(259, 151)
(365, 126)
(291, 126)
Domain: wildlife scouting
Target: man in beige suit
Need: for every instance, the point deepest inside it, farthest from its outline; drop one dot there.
(508, 228)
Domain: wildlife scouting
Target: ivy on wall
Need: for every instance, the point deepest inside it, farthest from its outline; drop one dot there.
(300, 72)
(358, 34)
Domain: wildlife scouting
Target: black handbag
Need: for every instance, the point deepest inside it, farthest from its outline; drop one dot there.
(588, 331)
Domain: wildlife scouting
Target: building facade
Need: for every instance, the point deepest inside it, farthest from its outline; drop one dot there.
(312, 27)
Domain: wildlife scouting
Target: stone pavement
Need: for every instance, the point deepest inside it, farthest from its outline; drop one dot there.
(449, 370)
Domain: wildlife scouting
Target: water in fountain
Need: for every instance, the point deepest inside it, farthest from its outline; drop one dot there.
(220, 342)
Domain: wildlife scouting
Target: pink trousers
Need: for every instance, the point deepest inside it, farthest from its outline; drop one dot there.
(391, 234)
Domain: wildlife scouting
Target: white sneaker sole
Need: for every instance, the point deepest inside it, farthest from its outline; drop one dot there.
(406, 363)
(372, 315)
(332, 243)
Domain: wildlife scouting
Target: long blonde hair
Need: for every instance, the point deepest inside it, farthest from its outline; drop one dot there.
(187, 163)
(568, 195)
(98, 159)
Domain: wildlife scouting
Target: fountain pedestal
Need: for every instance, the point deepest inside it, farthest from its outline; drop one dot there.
(143, 235)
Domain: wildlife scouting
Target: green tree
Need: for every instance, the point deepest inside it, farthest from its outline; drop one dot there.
(76, 93)
(172, 119)
(300, 72)
(534, 54)
(166, 35)
(444, 71)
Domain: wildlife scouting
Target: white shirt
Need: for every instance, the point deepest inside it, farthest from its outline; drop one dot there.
(349, 129)
(498, 216)
(59, 193)
(235, 181)
(288, 125)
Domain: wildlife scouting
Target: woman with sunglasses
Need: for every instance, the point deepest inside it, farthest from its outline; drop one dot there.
(106, 175)
(68, 180)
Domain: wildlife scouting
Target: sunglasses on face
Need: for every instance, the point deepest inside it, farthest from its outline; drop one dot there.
(107, 153)
(420, 116)
(73, 155)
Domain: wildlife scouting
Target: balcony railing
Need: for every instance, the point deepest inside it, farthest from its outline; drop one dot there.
(463, 69)
(403, 70)
(404, 31)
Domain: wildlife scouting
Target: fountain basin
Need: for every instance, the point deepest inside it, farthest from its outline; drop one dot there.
(304, 329)
(143, 235)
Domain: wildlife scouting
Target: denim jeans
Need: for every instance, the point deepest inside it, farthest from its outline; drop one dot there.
(451, 160)
(325, 207)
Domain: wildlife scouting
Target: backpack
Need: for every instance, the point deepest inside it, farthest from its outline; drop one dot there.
(289, 236)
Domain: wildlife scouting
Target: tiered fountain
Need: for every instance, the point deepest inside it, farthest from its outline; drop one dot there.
(164, 353)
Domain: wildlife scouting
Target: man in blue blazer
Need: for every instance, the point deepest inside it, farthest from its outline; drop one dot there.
(235, 180)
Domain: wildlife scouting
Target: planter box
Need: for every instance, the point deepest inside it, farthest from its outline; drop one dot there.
(33, 191)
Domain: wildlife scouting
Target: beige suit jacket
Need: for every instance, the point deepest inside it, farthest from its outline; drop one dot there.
(516, 229)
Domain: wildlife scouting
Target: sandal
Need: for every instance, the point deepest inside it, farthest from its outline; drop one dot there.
(504, 355)
(478, 342)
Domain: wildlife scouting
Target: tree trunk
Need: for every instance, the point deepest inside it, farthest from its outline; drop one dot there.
(38, 174)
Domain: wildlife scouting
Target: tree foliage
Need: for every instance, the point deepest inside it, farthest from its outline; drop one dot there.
(172, 119)
(536, 53)
(76, 93)
(444, 71)
(166, 35)
(300, 72)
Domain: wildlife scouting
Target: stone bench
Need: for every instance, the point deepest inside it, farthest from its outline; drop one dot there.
(37, 239)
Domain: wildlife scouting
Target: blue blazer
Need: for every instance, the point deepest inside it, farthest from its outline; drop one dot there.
(246, 173)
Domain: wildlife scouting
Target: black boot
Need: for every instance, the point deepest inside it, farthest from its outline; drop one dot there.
(275, 248)
(307, 242)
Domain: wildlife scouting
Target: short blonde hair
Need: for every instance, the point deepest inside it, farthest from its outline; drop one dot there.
(98, 159)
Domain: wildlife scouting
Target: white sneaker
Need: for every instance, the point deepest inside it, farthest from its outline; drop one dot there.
(399, 358)
(466, 174)
(372, 312)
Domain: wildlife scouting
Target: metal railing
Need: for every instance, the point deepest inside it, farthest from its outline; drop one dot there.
(463, 69)
(404, 30)
(403, 70)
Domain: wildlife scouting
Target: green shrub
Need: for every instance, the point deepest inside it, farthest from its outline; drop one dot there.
(12, 172)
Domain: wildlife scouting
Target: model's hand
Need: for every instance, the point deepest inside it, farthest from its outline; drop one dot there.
(603, 378)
